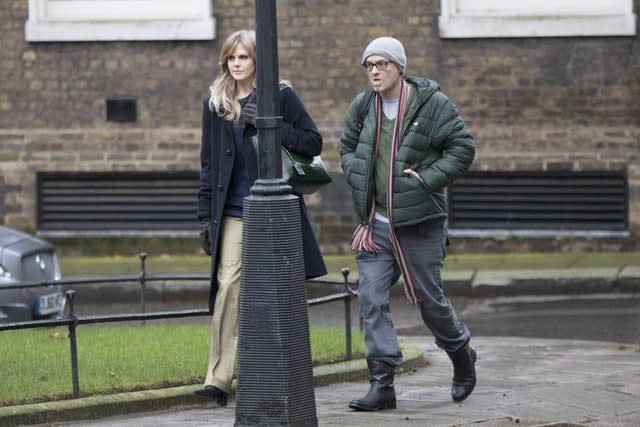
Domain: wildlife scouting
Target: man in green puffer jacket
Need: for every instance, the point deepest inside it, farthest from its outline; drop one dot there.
(409, 144)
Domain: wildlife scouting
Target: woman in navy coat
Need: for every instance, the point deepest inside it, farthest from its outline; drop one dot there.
(228, 168)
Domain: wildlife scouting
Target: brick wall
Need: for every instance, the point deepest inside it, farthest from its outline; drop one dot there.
(533, 104)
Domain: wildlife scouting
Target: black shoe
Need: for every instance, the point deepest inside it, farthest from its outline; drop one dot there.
(213, 393)
(379, 397)
(464, 372)
(381, 394)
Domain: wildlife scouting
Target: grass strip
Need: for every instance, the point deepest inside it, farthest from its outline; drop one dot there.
(36, 365)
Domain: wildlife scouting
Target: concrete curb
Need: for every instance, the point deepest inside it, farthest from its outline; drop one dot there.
(356, 370)
(629, 279)
(528, 282)
(96, 407)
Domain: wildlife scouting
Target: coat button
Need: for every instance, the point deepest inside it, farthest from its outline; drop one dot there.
(220, 188)
(228, 151)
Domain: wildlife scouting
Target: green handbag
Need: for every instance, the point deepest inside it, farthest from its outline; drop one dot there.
(303, 173)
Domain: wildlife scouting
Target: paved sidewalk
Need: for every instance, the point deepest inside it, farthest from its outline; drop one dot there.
(521, 382)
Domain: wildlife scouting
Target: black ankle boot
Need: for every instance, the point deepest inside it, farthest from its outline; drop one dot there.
(213, 393)
(464, 372)
(381, 394)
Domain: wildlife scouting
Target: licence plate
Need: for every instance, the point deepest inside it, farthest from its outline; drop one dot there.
(50, 303)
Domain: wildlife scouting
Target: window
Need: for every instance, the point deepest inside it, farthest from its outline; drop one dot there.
(108, 20)
(536, 18)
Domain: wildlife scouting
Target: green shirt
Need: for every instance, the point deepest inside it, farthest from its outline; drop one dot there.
(381, 165)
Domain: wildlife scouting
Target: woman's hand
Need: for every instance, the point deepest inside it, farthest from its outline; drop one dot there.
(248, 114)
(205, 236)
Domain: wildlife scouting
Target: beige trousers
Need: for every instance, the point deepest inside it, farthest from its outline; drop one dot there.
(224, 327)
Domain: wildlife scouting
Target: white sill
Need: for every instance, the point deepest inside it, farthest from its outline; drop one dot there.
(501, 234)
(115, 31)
(536, 26)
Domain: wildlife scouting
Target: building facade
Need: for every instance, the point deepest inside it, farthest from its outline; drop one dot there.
(100, 108)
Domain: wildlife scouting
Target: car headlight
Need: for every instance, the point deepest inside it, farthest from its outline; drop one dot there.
(4, 273)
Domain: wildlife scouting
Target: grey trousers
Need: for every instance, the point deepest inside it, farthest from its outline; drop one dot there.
(424, 248)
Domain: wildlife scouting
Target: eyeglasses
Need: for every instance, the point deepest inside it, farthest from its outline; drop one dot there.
(380, 65)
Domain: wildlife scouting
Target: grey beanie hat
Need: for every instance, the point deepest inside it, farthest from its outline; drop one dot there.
(389, 48)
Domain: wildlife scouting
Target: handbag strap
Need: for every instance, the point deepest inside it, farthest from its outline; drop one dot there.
(364, 107)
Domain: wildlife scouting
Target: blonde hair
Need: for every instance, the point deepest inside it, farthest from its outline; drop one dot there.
(223, 97)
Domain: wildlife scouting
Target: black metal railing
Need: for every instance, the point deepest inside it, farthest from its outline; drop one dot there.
(72, 320)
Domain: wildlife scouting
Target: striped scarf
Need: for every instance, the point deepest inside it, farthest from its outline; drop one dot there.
(363, 236)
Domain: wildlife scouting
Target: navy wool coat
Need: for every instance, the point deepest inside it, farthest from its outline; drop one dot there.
(217, 154)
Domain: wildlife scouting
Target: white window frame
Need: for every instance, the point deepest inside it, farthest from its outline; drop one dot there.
(536, 18)
(113, 20)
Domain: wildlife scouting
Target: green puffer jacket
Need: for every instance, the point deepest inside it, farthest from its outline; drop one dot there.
(436, 143)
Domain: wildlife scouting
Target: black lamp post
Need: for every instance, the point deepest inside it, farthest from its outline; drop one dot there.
(275, 375)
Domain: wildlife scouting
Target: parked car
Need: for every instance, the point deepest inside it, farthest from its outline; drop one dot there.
(25, 258)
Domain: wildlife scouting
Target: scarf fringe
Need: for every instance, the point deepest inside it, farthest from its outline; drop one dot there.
(362, 239)
(410, 291)
(411, 297)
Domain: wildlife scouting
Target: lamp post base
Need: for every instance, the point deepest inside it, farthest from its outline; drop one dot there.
(275, 374)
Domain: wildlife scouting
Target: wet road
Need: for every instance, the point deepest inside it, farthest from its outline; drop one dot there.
(588, 317)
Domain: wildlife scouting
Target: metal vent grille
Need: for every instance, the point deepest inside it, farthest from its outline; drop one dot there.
(117, 201)
(539, 201)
